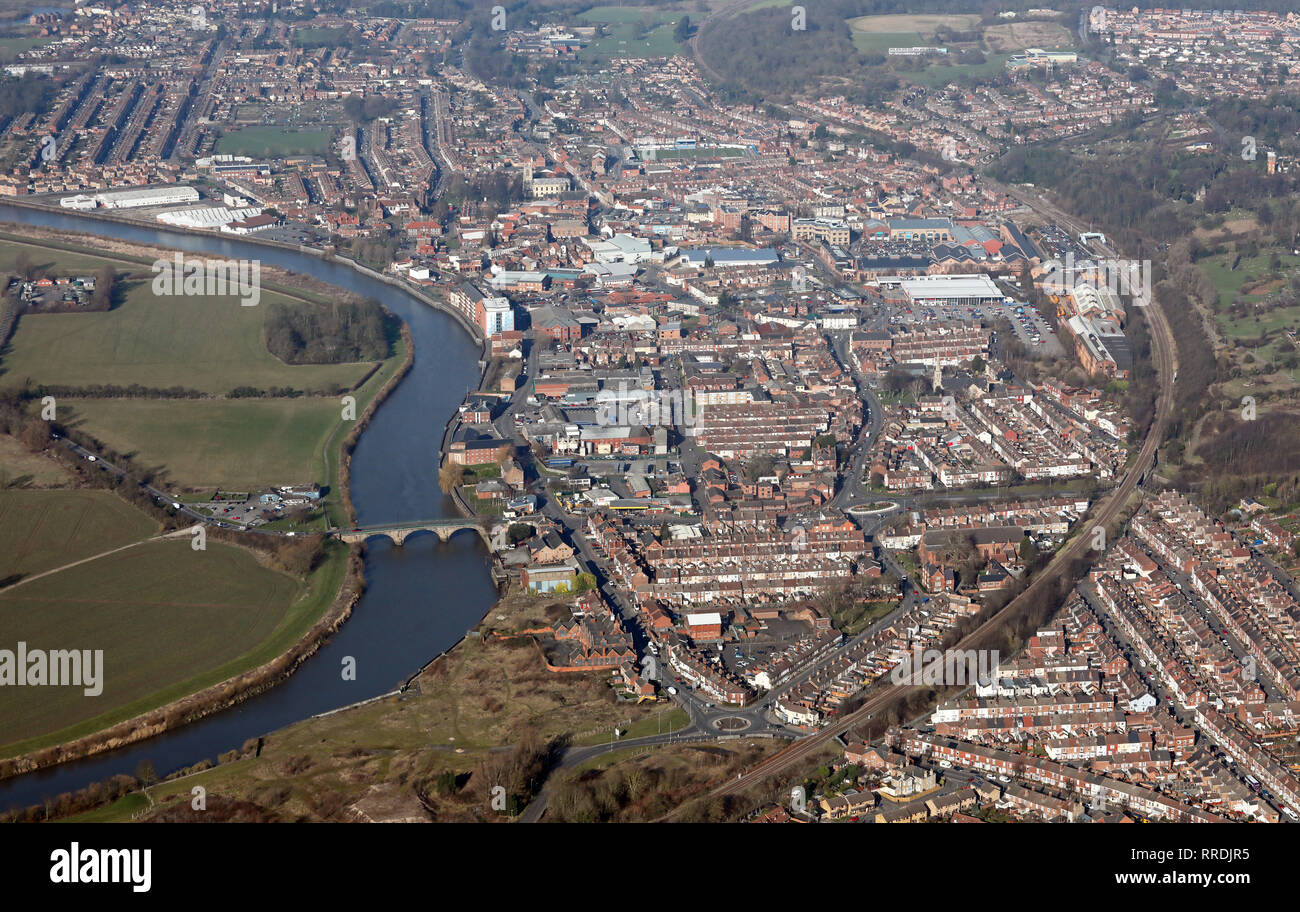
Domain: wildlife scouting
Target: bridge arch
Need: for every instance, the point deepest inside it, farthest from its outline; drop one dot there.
(398, 533)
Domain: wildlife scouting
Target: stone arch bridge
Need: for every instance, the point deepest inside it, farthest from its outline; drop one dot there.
(398, 533)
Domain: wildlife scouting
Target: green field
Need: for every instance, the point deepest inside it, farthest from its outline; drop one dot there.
(1230, 281)
(622, 27)
(660, 721)
(920, 23)
(57, 261)
(213, 443)
(210, 344)
(613, 15)
(1251, 326)
(40, 530)
(16, 45)
(937, 74)
(668, 154)
(273, 141)
(318, 37)
(881, 42)
(170, 620)
(20, 468)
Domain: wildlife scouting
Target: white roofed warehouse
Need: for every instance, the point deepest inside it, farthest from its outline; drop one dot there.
(960, 290)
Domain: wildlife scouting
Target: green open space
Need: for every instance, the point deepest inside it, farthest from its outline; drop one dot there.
(54, 261)
(212, 344)
(862, 615)
(881, 42)
(1248, 278)
(16, 44)
(213, 443)
(273, 141)
(318, 37)
(623, 32)
(699, 153)
(668, 719)
(20, 468)
(1229, 281)
(41, 530)
(209, 344)
(169, 619)
(940, 73)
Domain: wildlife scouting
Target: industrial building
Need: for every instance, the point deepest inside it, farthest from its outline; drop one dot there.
(158, 196)
(959, 290)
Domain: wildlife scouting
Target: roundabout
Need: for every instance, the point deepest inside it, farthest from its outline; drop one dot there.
(872, 508)
(731, 724)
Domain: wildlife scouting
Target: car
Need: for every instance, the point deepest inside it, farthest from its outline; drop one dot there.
(90, 458)
(672, 691)
(946, 764)
(1004, 778)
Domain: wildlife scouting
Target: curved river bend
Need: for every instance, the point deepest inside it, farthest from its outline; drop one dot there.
(420, 598)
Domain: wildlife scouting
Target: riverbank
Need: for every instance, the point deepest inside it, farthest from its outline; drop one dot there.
(419, 598)
(380, 758)
(340, 602)
(325, 255)
(211, 699)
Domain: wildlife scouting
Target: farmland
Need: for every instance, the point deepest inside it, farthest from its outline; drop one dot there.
(213, 443)
(209, 344)
(206, 344)
(40, 530)
(170, 620)
(22, 469)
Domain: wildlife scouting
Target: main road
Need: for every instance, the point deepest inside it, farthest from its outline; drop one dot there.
(1164, 355)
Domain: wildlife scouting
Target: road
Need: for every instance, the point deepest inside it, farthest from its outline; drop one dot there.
(161, 496)
(853, 489)
(1164, 356)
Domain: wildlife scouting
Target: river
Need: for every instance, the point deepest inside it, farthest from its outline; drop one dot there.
(420, 598)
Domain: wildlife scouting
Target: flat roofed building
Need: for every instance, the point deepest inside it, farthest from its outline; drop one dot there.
(952, 289)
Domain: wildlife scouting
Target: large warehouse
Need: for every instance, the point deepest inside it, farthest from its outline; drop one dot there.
(159, 196)
(961, 290)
